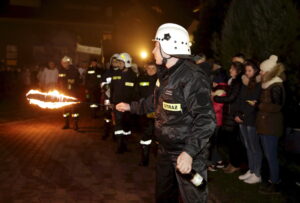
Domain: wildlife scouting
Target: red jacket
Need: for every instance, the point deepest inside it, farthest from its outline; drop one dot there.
(218, 107)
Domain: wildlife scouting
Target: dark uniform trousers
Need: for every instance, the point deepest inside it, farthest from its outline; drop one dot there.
(148, 129)
(68, 81)
(170, 182)
(122, 123)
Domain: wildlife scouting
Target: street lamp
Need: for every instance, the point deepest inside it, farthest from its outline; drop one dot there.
(143, 55)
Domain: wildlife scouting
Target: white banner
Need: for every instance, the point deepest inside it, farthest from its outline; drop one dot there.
(88, 50)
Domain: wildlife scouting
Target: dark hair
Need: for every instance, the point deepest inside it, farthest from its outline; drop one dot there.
(253, 64)
(239, 67)
(201, 55)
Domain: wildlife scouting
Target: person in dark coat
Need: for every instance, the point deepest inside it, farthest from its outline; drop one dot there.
(219, 87)
(200, 60)
(246, 117)
(68, 82)
(185, 119)
(123, 90)
(269, 121)
(93, 80)
(230, 128)
(145, 88)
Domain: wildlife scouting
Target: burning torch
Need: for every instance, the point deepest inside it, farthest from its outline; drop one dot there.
(53, 99)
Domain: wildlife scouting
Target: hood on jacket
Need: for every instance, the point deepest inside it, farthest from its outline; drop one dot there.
(276, 75)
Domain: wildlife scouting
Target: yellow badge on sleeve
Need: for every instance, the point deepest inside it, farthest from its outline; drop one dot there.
(144, 84)
(171, 107)
(61, 75)
(117, 78)
(129, 84)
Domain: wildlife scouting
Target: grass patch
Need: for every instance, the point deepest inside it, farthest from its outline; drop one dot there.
(228, 188)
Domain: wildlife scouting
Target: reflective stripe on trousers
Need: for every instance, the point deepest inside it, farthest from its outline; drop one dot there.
(65, 115)
(145, 142)
(75, 115)
(93, 106)
(122, 132)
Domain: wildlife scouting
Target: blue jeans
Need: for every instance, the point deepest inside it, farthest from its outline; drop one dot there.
(270, 146)
(251, 141)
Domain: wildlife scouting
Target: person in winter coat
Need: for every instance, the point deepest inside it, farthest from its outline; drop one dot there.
(185, 119)
(230, 127)
(246, 117)
(269, 122)
(219, 89)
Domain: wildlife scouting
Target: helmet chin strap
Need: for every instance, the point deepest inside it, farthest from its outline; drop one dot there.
(165, 60)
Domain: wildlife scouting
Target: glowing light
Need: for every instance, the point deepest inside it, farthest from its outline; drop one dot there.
(144, 54)
(50, 100)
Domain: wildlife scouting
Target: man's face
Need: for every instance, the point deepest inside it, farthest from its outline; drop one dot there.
(151, 70)
(157, 55)
(199, 61)
(115, 63)
(121, 65)
(65, 64)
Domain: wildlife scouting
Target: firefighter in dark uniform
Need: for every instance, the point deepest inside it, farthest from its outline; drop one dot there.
(113, 73)
(123, 90)
(145, 88)
(93, 80)
(68, 82)
(185, 119)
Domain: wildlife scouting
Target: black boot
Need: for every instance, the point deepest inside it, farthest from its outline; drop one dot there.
(67, 123)
(144, 155)
(107, 130)
(125, 145)
(120, 143)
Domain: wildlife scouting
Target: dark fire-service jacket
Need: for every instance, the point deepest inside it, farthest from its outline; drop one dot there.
(185, 118)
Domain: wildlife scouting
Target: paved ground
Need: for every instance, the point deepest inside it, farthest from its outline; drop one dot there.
(39, 162)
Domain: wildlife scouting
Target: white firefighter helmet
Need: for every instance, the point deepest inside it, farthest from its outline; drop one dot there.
(126, 58)
(115, 56)
(174, 39)
(66, 59)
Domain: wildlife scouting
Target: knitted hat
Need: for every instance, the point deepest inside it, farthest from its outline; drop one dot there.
(269, 64)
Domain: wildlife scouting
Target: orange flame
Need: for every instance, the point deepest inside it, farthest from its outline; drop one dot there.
(60, 100)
